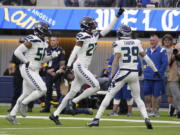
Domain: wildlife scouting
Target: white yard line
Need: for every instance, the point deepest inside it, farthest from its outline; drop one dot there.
(84, 127)
(103, 119)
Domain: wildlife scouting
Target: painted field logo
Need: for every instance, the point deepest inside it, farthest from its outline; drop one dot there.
(20, 18)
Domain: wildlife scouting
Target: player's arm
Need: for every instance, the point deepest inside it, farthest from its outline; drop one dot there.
(115, 64)
(21, 49)
(74, 53)
(111, 25)
(148, 61)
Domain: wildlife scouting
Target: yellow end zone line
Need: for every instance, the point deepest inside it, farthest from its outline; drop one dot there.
(103, 119)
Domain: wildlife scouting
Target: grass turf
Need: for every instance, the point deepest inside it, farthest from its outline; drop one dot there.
(78, 127)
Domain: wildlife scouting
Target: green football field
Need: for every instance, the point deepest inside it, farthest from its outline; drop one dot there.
(38, 124)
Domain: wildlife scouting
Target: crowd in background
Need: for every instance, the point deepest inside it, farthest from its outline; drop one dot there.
(102, 3)
(123, 3)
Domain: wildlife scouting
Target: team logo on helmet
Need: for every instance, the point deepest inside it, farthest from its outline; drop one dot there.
(124, 31)
(42, 29)
(88, 24)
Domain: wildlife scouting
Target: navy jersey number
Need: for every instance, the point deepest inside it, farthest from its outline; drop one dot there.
(90, 50)
(40, 54)
(130, 52)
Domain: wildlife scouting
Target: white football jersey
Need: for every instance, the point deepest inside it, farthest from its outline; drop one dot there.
(85, 55)
(129, 49)
(37, 52)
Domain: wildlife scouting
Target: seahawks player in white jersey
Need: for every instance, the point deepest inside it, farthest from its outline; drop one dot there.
(83, 52)
(32, 54)
(126, 51)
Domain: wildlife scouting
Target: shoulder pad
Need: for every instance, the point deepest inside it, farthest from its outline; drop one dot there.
(31, 38)
(82, 36)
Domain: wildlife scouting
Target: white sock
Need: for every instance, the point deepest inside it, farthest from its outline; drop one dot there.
(86, 93)
(16, 107)
(64, 102)
(104, 104)
(141, 107)
(33, 96)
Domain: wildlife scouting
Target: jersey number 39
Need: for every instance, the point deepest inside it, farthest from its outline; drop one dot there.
(131, 54)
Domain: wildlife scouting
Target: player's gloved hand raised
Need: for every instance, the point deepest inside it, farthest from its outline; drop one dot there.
(157, 74)
(120, 12)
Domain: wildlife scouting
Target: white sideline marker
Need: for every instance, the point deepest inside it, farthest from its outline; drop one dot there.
(103, 119)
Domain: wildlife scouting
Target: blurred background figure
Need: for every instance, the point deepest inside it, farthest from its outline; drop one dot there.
(10, 71)
(52, 67)
(173, 78)
(71, 3)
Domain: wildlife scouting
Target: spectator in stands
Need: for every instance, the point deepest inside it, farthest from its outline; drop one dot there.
(153, 86)
(105, 3)
(10, 71)
(144, 2)
(173, 77)
(87, 3)
(53, 66)
(71, 3)
(127, 3)
(166, 3)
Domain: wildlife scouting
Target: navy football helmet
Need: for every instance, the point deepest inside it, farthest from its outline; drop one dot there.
(42, 29)
(124, 31)
(88, 24)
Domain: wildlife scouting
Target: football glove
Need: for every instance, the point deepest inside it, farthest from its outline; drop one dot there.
(157, 74)
(27, 64)
(120, 12)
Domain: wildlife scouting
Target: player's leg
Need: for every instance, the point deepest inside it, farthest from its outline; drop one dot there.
(136, 96)
(75, 87)
(116, 102)
(134, 86)
(87, 77)
(105, 103)
(38, 86)
(12, 115)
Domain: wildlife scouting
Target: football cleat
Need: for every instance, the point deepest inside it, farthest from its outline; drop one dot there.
(148, 123)
(93, 123)
(12, 119)
(55, 119)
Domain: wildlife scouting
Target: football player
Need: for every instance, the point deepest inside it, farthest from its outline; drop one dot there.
(126, 51)
(83, 52)
(32, 53)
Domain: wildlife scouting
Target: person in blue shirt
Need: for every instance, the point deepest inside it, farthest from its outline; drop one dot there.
(53, 66)
(154, 87)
